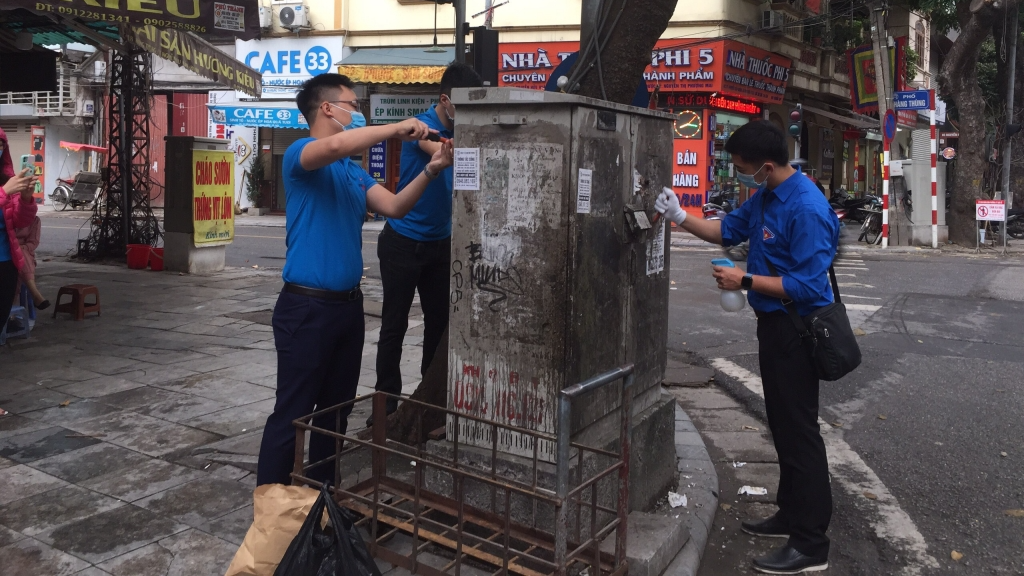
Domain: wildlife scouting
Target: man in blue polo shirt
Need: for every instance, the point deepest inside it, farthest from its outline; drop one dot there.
(318, 319)
(415, 251)
(790, 224)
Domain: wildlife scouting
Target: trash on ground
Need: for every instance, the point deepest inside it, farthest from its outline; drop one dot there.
(837, 424)
(751, 428)
(858, 332)
(1003, 454)
(676, 500)
(1018, 513)
(65, 403)
(753, 491)
(870, 496)
(881, 416)
(738, 464)
(956, 556)
(725, 507)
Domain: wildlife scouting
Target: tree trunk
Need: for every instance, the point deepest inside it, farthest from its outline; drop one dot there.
(958, 79)
(630, 30)
(411, 423)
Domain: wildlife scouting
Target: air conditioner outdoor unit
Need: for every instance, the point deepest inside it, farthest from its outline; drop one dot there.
(777, 22)
(266, 19)
(291, 14)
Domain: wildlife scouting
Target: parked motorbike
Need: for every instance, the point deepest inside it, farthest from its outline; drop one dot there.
(842, 199)
(84, 189)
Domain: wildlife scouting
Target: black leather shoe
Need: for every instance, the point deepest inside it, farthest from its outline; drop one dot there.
(789, 560)
(770, 528)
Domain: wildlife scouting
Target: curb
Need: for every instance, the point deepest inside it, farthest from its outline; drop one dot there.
(695, 467)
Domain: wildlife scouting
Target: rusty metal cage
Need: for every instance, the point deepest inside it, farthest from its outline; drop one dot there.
(467, 510)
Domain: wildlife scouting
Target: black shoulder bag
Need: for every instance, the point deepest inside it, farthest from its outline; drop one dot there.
(826, 332)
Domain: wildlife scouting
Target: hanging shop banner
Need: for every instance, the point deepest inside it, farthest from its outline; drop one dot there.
(213, 197)
(391, 108)
(38, 150)
(691, 154)
(386, 74)
(285, 63)
(193, 53)
(257, 115)
(864, 90)
(243, 143)
(239, 18)
(723, 66)
(378, 162)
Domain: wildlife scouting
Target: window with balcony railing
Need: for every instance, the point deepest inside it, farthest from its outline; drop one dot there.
(59, 103)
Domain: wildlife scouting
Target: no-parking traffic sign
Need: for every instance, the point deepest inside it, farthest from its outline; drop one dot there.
(990, 210)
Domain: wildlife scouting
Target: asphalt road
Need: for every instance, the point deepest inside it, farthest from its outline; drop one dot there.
(261, 246)
(934, 410)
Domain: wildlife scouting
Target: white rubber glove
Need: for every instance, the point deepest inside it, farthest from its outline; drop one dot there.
(667, 203)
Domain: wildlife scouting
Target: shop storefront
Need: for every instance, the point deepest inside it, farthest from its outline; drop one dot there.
(395, 84)
(713, 87)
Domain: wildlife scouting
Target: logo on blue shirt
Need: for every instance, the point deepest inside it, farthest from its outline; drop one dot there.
(767, 235)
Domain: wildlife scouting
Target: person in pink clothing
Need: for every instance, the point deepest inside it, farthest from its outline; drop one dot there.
(19, 211)
(28, 238)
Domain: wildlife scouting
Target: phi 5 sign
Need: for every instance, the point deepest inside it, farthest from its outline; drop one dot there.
(286, 63)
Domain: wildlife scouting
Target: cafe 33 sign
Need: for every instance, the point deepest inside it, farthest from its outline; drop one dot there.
(286, 63)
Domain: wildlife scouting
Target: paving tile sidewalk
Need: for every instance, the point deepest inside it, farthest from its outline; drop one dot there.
(131, 441)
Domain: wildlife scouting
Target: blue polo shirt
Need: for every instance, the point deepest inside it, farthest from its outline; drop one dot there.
(799, 234)
(324, 224)
(431, 218)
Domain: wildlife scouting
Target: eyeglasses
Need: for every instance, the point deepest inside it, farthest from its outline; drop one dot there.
(353, 103)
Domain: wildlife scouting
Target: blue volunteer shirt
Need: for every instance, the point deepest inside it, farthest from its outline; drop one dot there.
(799, 233)
(325, 211)
(431, 218)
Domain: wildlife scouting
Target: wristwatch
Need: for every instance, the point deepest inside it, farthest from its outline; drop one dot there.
(426, 171)
(748, 281)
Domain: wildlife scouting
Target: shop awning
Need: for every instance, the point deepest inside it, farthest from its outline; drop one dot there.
(862, 122)
(396, 65)
(258, 114)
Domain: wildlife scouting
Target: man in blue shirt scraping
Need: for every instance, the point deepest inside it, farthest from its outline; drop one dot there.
(318, 319)
(789, 224)
(415, 251)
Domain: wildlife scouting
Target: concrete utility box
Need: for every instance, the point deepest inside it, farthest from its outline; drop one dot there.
(199, 217)
(557, 273)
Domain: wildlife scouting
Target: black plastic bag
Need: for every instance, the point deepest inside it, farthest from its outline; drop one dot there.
(334, 550)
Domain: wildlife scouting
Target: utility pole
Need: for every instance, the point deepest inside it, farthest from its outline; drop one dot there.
(880, 45)
(489, 18)
(460, 35)
(1011, 80)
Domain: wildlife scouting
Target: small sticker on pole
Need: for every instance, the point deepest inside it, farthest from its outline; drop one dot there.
(583, 187)
(467, 169)
(990, 210)
(948, 153)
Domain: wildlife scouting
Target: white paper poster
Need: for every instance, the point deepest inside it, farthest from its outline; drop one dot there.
(583, 186)
(656, 249)
(467, 169)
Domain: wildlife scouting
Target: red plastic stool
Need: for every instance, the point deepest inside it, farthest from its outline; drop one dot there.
(77, 307)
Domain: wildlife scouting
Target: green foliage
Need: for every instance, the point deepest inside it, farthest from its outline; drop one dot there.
(988, 77)
(911, 59)
(942, 13)
(253, 180)
(849, 33)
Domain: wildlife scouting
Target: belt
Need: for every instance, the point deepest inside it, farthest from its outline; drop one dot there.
(771, 314)
(346, 296)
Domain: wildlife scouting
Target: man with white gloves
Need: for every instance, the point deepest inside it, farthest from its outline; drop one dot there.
(791, 228)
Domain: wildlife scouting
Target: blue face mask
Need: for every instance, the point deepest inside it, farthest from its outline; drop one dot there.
(748, 179)
(358, 120)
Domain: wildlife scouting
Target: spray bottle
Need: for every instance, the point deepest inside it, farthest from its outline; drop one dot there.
(732, 300)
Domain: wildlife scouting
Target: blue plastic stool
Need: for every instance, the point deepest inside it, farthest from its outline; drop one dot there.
(21, 314)
(27, 302)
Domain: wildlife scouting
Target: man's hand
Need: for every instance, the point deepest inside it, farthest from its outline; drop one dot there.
(728, 278)
(22, 184)
(411, 130)
(667, 203)
(442, 159)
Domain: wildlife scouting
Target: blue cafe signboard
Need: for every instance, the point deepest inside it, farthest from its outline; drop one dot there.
(258, 115)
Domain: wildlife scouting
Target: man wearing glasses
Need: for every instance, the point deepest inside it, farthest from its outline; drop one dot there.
(318, 319)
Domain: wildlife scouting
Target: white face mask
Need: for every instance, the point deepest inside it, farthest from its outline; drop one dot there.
(450, 115)
(357, 121)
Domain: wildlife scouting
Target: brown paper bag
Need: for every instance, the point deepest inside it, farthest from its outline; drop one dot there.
(278, 513)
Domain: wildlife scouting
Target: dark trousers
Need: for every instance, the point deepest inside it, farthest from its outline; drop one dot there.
(791, 401)
(408, 266)
(8, 285)
(319, 350)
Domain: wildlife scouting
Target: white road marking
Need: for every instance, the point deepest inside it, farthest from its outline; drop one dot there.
(854, 285)
(849, 267)
(891, 523)
(864, 297)
(863, 307)
(839, 274)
